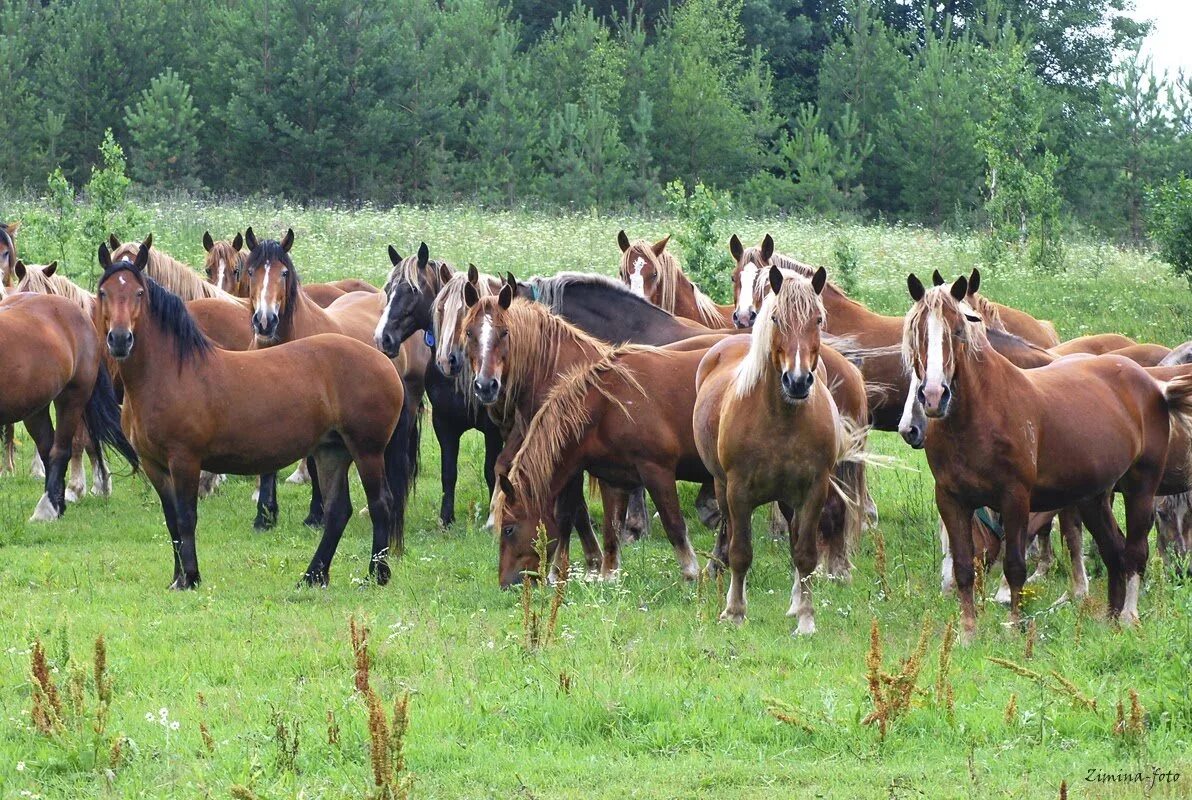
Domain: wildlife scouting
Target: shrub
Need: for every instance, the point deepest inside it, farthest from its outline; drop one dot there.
(1170, 223)
(705, 259)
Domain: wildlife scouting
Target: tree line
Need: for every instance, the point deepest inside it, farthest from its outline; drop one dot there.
(1018, 115)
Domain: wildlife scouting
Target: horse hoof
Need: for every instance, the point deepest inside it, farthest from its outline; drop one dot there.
(263, 523)
(183, 584)
(299, 476)
(735, 617)
(311, 581)
(313, 521)
(72, 494)
(806, 628)
(45, 510)
(446, 520)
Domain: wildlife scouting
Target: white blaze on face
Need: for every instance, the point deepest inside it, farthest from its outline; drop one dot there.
(384, 320)
(262, 299)
(745, 292)
(637, 281)
(121, 279)
(487, 333)
(223, 267)
(934, 371)
(908, 408)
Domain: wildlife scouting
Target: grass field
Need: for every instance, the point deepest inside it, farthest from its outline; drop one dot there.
(642, 693)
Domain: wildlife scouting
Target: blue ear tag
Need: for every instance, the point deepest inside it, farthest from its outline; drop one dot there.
(429, 338)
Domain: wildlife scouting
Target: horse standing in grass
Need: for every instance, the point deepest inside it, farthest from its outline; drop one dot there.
(653, 273)
(328, 396)
(768, 430)
(8, 259)
(51, 355)
(1017, 440)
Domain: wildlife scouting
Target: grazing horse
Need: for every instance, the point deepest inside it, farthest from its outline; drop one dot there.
(51, 355)
(326, 395)
(8, 258)
(653, 273)
(410, 294)
(768, 430)
(168, 272)
(1017, 440)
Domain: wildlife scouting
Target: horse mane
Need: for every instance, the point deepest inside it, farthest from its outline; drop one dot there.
(789, 264)
(561, 420)
(935, 301)
(171, 274)
(670, 277)
(36, 280)
(549, 290)
(988, 310)
(6, 239)
(449, 306)
(793, 304)
(169, 311)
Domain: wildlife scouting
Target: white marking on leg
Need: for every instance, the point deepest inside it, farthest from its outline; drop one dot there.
(1003, 592)
(1130, 607)
(37, 468)
(45, 511)
(947, 575)
(804, 609)
(637, 281)
(300, 475)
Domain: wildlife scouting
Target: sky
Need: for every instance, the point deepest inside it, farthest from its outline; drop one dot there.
(1168, 45)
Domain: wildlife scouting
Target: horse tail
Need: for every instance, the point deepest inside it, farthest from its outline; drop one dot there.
(401, 471)
(102, 418)
(849, 476)
(1178, 392)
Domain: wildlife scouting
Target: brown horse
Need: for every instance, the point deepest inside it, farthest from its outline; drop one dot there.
(653, 273)
(224, 263)
(326, 395)
(768, 430)
(8, 258)
(1017, 440)
(166, 271)
(50, 352)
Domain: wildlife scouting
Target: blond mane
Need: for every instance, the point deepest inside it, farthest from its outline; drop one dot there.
(37, 281)
(988, 310)
(795, 303)
(172, 274)
(670, 278)
(935, 301)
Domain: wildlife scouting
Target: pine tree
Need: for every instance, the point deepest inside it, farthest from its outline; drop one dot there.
(162, 128)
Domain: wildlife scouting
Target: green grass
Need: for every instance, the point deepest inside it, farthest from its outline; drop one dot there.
(664, 701)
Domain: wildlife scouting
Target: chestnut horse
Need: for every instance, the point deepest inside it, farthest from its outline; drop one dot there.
(653, 272)
(51, 356)
(326, 395)
(768, 430)
(1017, 440)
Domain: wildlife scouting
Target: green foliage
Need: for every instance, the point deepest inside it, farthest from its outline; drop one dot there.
(701, 238)
(163, 127)
(846, 265)
(1170, 223)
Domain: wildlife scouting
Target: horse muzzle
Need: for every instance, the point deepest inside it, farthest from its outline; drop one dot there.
(264, 324)
(120, 343)
(936, 400)
(796, 387)
(389, 344)
(744, 319)
(913, 434)
(487, 389)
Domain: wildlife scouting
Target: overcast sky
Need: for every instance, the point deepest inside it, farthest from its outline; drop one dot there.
(1169, 44)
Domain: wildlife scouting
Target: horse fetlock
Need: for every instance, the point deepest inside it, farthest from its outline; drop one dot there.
(45, 511)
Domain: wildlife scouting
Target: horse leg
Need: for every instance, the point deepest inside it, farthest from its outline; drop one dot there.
(1046, 553)
(492, 449)
(76, 487)
(707, 507)
(160, 479)
(637, 516)
(832, 523)
(37, 464)
(300, 475)
(572, 511)
(333, 462)
(448, 437)
(719, 558)
(1016, 512)
(41, 429)
(184, 478)
(8, 434)
(803, 555)
(947, 579)
(1140, 518)
(958, 521)
(1097, 514)
(314, 515)
(615, 500)
(778, 527)
(101, 476)
(1073, 533)
(210, 481)
(660, 482)
(740, 552)
(371, 469)
(266, 503)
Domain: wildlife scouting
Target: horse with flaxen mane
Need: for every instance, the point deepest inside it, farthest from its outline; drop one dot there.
(167, 271)
(64, 370)
(411, 292)
(329, 396)
(1017, 440)
(653, 273)
(768, 430)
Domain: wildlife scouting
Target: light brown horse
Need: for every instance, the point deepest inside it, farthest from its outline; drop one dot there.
(1096, 344)
(51, 355)
(653, 272)
(1017, 440)
(768, 430)
(167, 271)
(327, 395)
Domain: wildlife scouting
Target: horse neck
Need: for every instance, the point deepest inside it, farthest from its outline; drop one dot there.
(562, 350)
(846, 316)
(306, 318)
(149, 365)
(685, 303)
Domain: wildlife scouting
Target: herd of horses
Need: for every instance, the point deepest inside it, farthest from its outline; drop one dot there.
(637, 383)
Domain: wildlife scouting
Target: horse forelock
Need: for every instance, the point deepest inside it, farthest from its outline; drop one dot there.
(935, 302)
(794, 305)
(424, 279)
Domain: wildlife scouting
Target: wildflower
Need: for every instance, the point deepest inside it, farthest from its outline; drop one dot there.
(20, 766)
(174, 725)
(148, 716)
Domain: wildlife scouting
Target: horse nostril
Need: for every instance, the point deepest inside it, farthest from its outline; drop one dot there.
(921, 395)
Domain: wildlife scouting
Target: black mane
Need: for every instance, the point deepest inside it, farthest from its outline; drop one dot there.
(169, 311)
(269, 250)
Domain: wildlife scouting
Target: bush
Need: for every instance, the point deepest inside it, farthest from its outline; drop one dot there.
(1170, 223)
(705, 258)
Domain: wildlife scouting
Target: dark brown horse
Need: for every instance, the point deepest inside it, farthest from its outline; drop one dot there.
(1017, 440)
(51, 357)
(653, 272)
(328, 396)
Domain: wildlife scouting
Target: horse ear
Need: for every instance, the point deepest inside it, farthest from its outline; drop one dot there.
(394, 256)
(915, 287)
(473, 274)
(113, 242)
(208, 242)
(423, 255)
(505, 298)
(660, 245)
(445, 273)
(511, 282)
(974, 281)
(735, 248)
(937, 279)
(288, 240)
(507, 488)
(959, 288)
(19, 269)
(819, 280)
(622, 240)
(237, 242)
(105, 256)
(767, 247)
(471, 294)
(12, 227)
(250, 238)
(142, 259)
(775, 279)
(50, 268)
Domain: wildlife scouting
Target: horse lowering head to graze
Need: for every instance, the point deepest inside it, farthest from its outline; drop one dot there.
(410, 291)
(224, 263)
(273, 285)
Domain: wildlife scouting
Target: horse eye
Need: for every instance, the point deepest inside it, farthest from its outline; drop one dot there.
(507, 532)
(285, 273)
(504, 334)
(102, 293)
(468, 334)
(140, 292)
(774, 318)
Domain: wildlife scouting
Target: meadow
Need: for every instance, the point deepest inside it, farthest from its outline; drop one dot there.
(245, 687)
